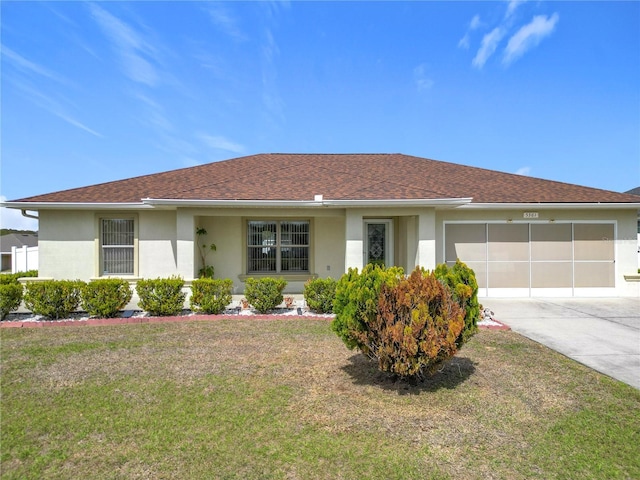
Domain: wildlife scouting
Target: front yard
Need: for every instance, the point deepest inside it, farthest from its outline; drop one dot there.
(284, 399)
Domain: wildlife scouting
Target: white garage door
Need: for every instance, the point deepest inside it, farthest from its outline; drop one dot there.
(537, 259)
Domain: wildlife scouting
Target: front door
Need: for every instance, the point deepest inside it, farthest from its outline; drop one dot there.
(378, 242)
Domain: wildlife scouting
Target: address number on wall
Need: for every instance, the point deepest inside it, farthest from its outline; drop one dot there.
(530, 214)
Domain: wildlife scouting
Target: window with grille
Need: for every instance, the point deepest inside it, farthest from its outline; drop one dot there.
(278, 246)
(117, 242)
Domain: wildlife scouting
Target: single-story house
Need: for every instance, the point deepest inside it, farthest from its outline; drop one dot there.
(300, 216)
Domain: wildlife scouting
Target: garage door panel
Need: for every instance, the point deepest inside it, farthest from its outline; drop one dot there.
(593, 241)
(551, 242)
(594, 274)
(508, 242)
(508, 274)
(466, 241)
(551, 274)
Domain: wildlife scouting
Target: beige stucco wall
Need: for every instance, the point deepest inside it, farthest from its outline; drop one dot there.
(226, 233)
(225, 228)
(328, 246)
(66, 244)
(156, 244)
(69, 248)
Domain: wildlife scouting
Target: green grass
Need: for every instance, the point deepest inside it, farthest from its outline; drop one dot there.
(284, 399)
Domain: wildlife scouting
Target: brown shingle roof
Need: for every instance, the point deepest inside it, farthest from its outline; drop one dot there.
(298, 177)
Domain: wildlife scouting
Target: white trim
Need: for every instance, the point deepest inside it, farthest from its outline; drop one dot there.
(404, 202)
(549, 206)
(168, 202)
(35, 206)
(454, 202)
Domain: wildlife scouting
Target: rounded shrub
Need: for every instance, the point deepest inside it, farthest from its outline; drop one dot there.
(10, 298)
(409, 325)
(53, 299)
(210, 295)
(416, 328)
(105, 297)
(161, 296)
(319, 294)
(265, 293)
(356, 301)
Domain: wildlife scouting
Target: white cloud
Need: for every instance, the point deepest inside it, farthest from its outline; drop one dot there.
(11, 218)
(529, 36)
(219, 142)
(488, 47)
(54, 107)
(422, 79)
(474, 24)
(221, 17)
(135, 52)
(26, 65)
(512, 7)
(524, 171)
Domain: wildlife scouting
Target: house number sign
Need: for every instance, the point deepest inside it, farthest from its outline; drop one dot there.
(530, 214)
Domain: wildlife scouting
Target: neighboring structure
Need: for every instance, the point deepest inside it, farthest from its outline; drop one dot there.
(305, 215)
(19, 252)
(636, 191)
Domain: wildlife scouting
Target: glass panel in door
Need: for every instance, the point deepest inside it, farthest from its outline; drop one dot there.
(376, 243)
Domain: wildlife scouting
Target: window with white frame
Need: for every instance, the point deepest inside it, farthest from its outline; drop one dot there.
(278, 246)
(117, 245)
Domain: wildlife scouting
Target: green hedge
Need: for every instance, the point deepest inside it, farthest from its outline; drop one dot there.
(264, 294)
(161, 296)
(53, 299)
(319, 294)
(210, 295)
(10, 298)
(6, 278)
(105, 297)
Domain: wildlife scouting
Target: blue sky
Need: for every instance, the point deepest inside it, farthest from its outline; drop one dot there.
(94, 92)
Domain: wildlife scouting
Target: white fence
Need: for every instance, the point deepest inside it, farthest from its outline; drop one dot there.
(24, 259)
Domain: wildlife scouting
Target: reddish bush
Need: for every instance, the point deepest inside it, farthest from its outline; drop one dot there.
(416, 327)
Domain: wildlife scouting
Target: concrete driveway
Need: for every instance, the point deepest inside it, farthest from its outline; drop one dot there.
(602, 333)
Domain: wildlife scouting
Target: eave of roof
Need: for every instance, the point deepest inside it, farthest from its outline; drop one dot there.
(168, 203)
(552, 205)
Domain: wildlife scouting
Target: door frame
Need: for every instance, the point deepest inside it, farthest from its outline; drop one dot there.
(388, 222)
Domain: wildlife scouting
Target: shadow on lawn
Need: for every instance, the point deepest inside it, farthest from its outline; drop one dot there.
(364, 371)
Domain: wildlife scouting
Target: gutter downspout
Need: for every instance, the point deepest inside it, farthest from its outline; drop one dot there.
(28, 215)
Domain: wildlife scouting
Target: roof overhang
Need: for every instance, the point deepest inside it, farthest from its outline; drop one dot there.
(438, 202)
(171, 204)
(552, 206)
(162, 203)
(35, 206)
(442, 202)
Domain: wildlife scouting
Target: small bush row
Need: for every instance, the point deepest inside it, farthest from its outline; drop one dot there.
(104, 298)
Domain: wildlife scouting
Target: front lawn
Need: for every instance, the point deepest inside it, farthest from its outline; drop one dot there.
(284, 399)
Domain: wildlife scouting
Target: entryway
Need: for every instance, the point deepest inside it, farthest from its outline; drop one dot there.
(378, 242)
